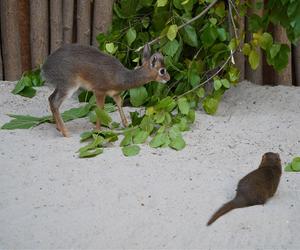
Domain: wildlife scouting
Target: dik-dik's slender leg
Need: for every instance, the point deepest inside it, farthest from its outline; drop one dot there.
(55, 101)
(100, 100)
(118, 101)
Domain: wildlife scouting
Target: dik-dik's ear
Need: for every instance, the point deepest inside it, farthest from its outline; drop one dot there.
(146, 53)
(153, 60)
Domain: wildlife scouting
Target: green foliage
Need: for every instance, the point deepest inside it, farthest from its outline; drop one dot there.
(29, 80)
(293, 166)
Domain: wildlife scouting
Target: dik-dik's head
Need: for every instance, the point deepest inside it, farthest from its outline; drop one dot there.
(155, 65)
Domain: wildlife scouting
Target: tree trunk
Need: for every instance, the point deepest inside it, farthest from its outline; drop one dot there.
(24, 27)
(102, 17)
(68, 15)
(255, 76)
(56, 8)
(84, 22)
(10, 39)
(39, 31)
(296, 64)
(285, 76)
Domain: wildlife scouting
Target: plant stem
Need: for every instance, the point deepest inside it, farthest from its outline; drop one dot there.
(183, 25)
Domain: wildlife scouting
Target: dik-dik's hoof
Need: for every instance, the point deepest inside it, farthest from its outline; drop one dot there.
(125, 123)
(65, 133)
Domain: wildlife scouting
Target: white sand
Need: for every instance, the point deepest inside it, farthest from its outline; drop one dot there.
(49, 198)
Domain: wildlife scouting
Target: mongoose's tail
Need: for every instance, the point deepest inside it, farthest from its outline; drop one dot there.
(235, 203)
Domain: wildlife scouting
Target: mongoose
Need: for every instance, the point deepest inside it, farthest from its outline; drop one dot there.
(256, 187)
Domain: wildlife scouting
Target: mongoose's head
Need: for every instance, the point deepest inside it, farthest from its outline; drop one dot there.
(155, 65)
(271, 159)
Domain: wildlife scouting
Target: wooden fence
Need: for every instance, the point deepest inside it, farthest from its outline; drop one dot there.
(32, 29)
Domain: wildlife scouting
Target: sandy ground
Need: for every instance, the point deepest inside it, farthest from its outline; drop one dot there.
(159, 199)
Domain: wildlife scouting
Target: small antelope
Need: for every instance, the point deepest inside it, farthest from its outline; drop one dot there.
(73, 66)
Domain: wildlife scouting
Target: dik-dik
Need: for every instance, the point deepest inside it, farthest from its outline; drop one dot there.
(73, 66)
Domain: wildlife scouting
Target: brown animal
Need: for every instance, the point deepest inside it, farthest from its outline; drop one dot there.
(73, 66)
(256, 187)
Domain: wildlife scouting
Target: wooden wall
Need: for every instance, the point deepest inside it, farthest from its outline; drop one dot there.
(32, 29)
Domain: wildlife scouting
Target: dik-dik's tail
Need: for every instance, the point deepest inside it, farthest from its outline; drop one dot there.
(235, 203)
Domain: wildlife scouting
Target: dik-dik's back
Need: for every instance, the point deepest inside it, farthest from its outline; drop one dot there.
(73, 64)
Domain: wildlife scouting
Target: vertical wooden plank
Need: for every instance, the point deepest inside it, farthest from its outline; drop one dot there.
(84, 22)
(239, 56)
(39, 31)
(24, 27)
(56, 26)
(10, 39)
(1, 62)
(296, 64)
(285, 76)
(255, 76)
(102, 17)
(68, 15)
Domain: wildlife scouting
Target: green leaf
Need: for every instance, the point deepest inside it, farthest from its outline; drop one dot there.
(254, 59)
(225, 83)
(190, 36)
(222, 34)
(127, 140)
(296, 164)
(75, 113)
(209, 35)
(200, 92)
(167, 103)
(171, 47)
(27, 92)
(217, 84)
(246, 49)
(265, 41)
(131, 150)
(103, 116)
(140, 137)
(255, 23)
(90, 153)
(21, 84)
(177, 143)
(110, 48)
(183, 105)
(161, 3)
(85, 135)
(147, 124)
(174, 132)
(210, 105)
(146, 21)
(172, 32)
(23, 122)
(220, 9)
(138, 96)
(274, 50)
(131, 36)
(288, 168)
(158, 140)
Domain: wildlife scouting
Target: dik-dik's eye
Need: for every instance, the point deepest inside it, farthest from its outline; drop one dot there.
(162, 71)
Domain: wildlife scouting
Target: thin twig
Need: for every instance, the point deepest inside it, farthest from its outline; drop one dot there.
(235, 9)
(232, 20)
(207, 80)
(183, 25)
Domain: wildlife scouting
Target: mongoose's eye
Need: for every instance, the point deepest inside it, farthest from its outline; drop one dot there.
(162, 71)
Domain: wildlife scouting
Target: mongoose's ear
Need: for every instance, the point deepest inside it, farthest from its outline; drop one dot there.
(146, 52)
